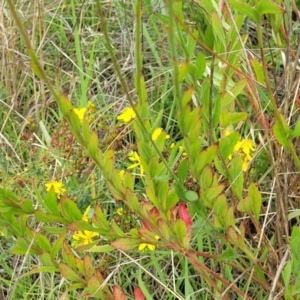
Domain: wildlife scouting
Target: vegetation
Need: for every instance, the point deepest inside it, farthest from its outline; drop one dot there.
(149, 149)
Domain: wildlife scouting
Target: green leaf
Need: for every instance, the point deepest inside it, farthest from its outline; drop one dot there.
(99, 218)
(180, 230)
(255, 196)
(69, 274)
(245, 9)
(200, 65)
(210, 195)
(282, 131)
(115, 228)
(237, 117)
(257, 67)
(227, 144)
(187, 96)
(57, 246)
(101, 249)
(50, 202)
(126, 244)
(296, 131)
(27, 206)
(80, 226)
(183, 170)
(48, 218)
(46, 259)
(227, 254)
(22, 246)
(286, 273)
(191, 196)
(217, 28)
(206, 178)
(233, 92)
(245, 205)
(295, 242)
(236, 176)
(220, 207)
(268, 7)
(42, 242)
(206, 157)
(70, 211)
(92, 146)
(182, 71)
(64, 105)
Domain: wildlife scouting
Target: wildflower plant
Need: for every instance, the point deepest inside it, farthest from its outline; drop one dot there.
(200, 182)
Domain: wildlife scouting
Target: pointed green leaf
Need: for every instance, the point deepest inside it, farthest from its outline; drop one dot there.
(268, 7)
(48, 218)
(233, 92)
(281, 131)
(227, 144)
(183, 170)
(27, 206)
(296, 131)
(50, 202)
(206, 157)
(42, 242)
(200, 65)
(236, 176)
(171, 200)
(69, 274)
(92, 146)
(257, 67)
(180, 230)
(70, 211)
(255, 196)
(245, 9)
(206, 178)
(187, 96)
(126, 244)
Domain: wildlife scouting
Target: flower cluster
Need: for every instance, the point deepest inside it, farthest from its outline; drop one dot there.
(57, 186)
(84, 237)
(244, 148)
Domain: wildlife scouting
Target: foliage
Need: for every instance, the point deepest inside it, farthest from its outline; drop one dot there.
(164, 196)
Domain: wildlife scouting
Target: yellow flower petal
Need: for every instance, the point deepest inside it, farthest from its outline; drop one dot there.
(120, 211)
(157, 132)
(127, 115)
(57, 186)
(142, 246)
(151, 247)
(80, 112)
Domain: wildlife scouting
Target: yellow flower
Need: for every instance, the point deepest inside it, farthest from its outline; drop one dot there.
(120, 211)
(244, 148)
(151, 247)
(172, 145)
(57, 186)
(80, 113)
(157, 132)
(142, 246)
(134, 157)
(84, 237)
(181, 149)
(91, 107)
(127, 115)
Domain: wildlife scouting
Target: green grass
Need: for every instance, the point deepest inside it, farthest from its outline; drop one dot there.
(226, 59)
